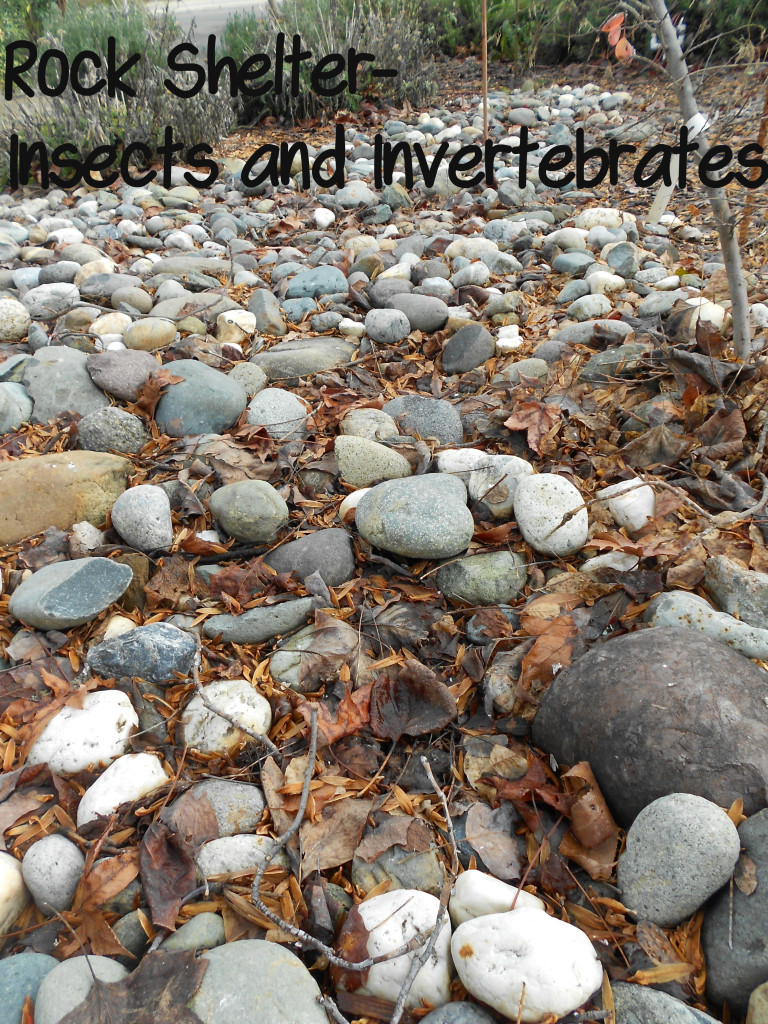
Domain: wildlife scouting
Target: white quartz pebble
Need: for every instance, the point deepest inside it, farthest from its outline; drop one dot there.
(390, 920)
(13, 892)
(498, 954)
(631, 503)
(349, 504)
(130, 777)
(476, 893)
(77, 737)
(236, 698)
(323, 218)
(541, 504)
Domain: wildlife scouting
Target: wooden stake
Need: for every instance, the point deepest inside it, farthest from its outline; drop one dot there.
(484, 18)
(750, 203)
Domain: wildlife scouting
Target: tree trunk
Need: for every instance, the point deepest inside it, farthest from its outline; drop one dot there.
(725, 221)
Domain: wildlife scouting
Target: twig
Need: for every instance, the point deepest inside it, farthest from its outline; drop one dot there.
(449, 820)
(332, 1009)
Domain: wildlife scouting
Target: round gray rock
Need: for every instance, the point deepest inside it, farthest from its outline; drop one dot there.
(121, 372)
(419, 517)
(69, 983)
(250, 511)
(493, 578)
(458, 1013)
(21, 976)
(469, 347)
(142, 517)
(427, 417)
(328, 552)
(52, 868)
(57, 381)
(281, 413)
(204, 931)
(424, 312)
(251, 981)
(680, 850)
(112, 429)
(387, 326)
(14, 320)
(205, 402)
(639, 1004)
(238, 806)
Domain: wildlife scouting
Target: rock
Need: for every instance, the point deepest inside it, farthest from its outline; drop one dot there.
(427, 417)
(66, 594)
(387, 326)
(266, 309)
(69, 983)
(210, 733)
(757, 1012)
(400, 867)
(418, 517)
(57, 381)
(52, 868)
(58, 490)
(559, 344)
(149, 334)
(112, 429)
(203, 931)
(238, 806)
(259, 624)
(130, 934)
(251, 981)
(20, 977)
(236, 855)
(631, 503)
(287, 361)
(14, 320)
(733, 936)
(536, 368)
(362, 462)
(252, 377)
(142, 517)
(496, 484)
(469, 347)
(424, 312)
(15, 406)
(680, 850)
(122, 372)
(281, 413)
(681, 608)
(620, 705)
(458, 1013)
(540, 503)
(476, 894)
(639, 1004)
(316, 281)
(48, 301)
(206, 402)
(381, 925)
(590, 307)
(328, 552)
(495, 955)
(493, 578)
(618, 361)
(156, 653)
(13, 893)
(738, 590)
(251, 511)
(371, 423)
(128, 778)
(78, 737)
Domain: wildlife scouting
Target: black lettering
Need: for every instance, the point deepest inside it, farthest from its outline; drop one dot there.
(389, 158)
(13, 71)
(125, 164)
(115, 74)
(464, 160)
(60, 158)
(296, 59)
(38, 151)
(77, 63)
(173, 65)
(335, 63)
(167, 151)
(63, 72)
(683, 151)
(99, 160)
(216, 68)
(582, 158)
(615, 150)
(354, 60)
(253, 69)
(663, 171)
(339, 154)
(554, 160)
(492, 150)
(716, 159)
(523, 149)
(271, 170)
(196, 161)
(429, 171)
(744, 158)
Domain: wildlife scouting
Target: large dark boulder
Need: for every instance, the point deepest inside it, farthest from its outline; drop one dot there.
(662, 710)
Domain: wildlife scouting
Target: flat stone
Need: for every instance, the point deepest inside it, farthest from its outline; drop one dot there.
(238, 806)
(203, 931)
(15, 406)
(328, 552)
(206, 402)
(122, 372)
(256, 625)
(541, 501)
(48, 301)
(371, 423)
(112, 429)
(424, 312)
(281, 413)
(289, 360)
(247, 982)
(57, 381)
(469, 347)
(66, 594)
(621, 705)
(418, 517)
(738, 590)
(155, 653)
(680, 850)
(640, 1003)
(493, 578)
(681, 608)
(130, 777)
(362, 462)
(316, 281)
(235, 855)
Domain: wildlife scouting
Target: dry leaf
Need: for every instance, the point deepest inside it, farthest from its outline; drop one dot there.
(332, 841)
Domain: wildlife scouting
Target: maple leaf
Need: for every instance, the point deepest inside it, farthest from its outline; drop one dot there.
(537, 419)
(351, 714)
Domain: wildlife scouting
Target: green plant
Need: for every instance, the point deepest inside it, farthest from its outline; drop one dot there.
(390, 29)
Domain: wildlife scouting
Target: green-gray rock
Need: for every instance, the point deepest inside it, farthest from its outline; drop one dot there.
(251, 511)
(259, 624)
(66, 594)
(493, 578)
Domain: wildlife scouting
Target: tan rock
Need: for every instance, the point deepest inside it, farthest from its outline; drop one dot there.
(58, 490)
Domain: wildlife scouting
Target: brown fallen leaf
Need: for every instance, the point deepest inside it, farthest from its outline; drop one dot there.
(491, 833)
(395, 830)
(157, 991)
(105, 880)
(745, 874)
(537, 419)
(332, 841)
(536, 784)
(167, 873)
(351, 714)
(192, 817)
(591, 821)
(413, 700)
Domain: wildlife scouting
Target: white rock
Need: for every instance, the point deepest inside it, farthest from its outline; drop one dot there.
(603, 283)
(391, 920)
(84, 537)
(323, 218)
(142, 517)
(496, 484)
(711, 312)
(117, 625)
(351, 328)
(471, 246)
(103, 265)
(234, 326)
(496, 955)
(681, 608)
(232, 854)
(212, 734)
(13, 892)
(620, 560)
(52, 869)
(588, 307)
(349, 504)
(631, 503)
(110, 323)
(541, 501)
(77, 737)
(476, 893)
(759, 314)
(14, 320)
(508, 339)
(599, 216)
(399, 272)
(568, 238)
(130, 777)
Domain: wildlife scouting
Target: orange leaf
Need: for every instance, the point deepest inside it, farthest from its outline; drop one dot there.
(624, 49)
(615, 21)
(614, 35)
(351, 714)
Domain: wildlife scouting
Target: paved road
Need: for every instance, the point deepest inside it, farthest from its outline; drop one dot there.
(208, 17)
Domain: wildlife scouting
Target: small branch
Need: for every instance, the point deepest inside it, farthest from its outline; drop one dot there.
(449, 820)
(332, 1010)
